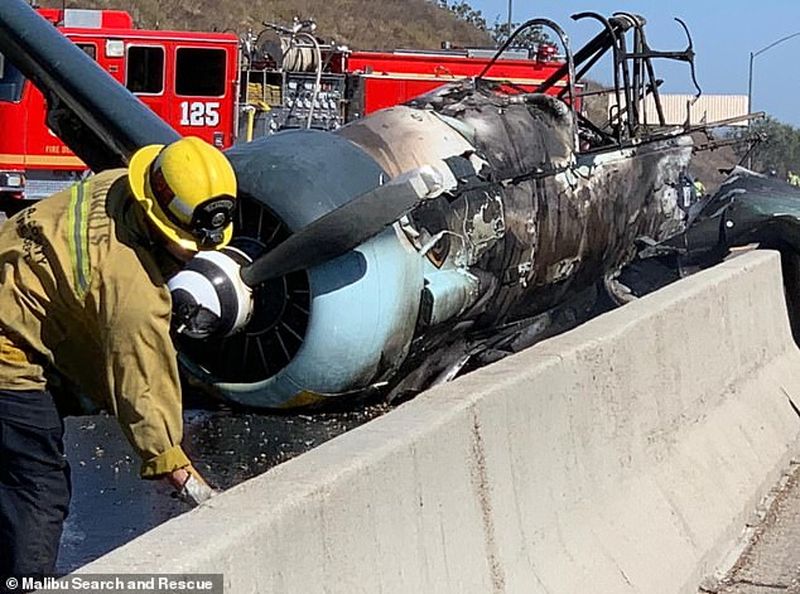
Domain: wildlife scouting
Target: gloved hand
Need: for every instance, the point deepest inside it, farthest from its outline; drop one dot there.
(190, 487)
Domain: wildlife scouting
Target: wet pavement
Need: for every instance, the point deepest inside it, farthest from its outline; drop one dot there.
(111, 505)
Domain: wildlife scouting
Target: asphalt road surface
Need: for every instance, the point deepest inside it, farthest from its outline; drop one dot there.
(111, 505)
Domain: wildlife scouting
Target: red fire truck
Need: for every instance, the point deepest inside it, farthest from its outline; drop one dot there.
(292, 82)
(189, 79)
(223, 89)
(382, 79)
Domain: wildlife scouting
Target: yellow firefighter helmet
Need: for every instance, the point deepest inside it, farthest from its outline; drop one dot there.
(188, 190)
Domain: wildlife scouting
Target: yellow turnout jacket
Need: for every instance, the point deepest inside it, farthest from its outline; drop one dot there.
(83, 291)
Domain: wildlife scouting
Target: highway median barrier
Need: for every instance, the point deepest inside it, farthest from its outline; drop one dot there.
(623, 456)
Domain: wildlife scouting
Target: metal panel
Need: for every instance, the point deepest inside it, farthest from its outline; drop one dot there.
(36, 189)
(706, 109)
(83, 19)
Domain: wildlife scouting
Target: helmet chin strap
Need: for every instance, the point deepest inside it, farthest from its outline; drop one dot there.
(180, 253)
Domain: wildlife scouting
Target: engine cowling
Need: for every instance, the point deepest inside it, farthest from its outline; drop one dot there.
(329, 331)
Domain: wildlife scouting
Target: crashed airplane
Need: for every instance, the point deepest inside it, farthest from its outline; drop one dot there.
(401, 248)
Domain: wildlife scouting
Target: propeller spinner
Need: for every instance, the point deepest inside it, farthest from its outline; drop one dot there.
(210, 301)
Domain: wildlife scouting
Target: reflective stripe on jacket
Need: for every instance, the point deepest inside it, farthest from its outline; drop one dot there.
(83, 290)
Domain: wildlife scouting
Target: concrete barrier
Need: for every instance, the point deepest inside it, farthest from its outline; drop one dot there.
(624, 456)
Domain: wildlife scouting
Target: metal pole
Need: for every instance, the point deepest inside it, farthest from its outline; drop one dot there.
(750, 85)
(753, 55)
(749, 111)
(509, 17)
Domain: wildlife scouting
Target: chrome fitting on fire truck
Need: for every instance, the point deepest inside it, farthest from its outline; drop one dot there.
(13, 181)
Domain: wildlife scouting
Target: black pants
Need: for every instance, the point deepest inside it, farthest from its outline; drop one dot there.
(34, 484)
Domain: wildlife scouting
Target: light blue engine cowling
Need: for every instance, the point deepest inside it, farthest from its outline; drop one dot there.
(360, 309)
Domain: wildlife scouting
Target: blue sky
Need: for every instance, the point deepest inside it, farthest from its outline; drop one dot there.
(724, 32)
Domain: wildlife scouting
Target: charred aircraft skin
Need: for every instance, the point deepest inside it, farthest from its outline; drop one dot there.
(538, 218)
(538, 221)
(505, 206)
(525, 222)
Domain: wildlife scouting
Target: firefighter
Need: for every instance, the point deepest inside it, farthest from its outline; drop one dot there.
(699, 188)
(793, 179)
(83, 296)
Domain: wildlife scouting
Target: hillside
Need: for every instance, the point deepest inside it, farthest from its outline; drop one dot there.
(365, 24)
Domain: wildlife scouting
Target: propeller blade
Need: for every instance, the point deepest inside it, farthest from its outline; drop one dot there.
(346, 227)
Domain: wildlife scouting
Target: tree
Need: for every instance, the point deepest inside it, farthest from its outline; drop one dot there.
(464, 11)
(530, 38)
(777, 147)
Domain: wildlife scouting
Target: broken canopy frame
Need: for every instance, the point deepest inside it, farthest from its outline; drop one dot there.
(633, 74)
(568, 69)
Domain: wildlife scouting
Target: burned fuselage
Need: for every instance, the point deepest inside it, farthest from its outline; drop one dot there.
(510, 202)
(531, 214)
(537, 204)
(524, 221)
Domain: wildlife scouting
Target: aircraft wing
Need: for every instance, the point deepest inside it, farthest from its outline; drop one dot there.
(748, 208)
